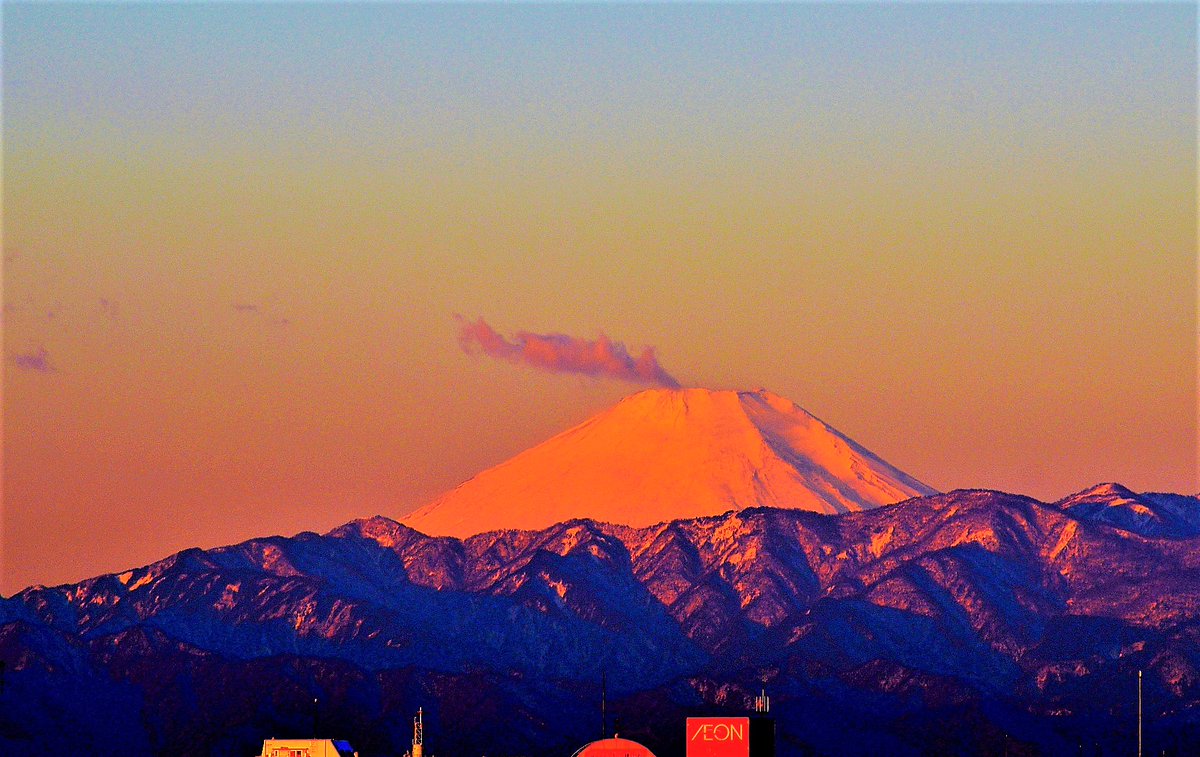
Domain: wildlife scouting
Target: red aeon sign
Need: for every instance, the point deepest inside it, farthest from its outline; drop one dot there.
(718, 737)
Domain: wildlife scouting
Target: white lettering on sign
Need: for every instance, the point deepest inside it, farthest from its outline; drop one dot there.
(720, 732)
(718, 737)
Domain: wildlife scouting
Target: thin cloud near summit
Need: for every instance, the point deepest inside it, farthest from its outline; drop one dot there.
(561, 353)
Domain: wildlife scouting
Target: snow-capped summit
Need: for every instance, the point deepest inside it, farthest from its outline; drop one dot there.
(665, 454)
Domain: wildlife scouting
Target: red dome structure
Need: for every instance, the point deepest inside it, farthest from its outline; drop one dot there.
(614, 748)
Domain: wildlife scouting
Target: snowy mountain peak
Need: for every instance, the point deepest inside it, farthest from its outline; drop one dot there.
(666, 454)
(1148, 514)
(1106, 490)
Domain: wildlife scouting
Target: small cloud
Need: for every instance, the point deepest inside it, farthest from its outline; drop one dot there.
(37, 360)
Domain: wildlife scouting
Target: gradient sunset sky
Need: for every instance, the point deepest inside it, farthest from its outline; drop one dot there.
(236, 238)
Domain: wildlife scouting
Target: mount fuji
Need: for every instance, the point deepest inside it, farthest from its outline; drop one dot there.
(666, 454)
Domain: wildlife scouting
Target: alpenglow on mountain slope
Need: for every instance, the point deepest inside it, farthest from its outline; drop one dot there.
(665, 454)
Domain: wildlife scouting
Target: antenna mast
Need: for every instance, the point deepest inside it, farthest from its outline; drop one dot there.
(418, 745)
(603, 705)
(762, 703)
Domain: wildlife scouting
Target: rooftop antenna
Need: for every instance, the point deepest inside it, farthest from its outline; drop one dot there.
(418, 745)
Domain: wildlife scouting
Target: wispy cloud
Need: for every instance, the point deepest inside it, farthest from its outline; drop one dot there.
(38, 360)
(262, 314)
(560, 353)
(110, 308)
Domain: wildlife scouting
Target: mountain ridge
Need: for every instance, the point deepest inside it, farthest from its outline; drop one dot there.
(947, 619)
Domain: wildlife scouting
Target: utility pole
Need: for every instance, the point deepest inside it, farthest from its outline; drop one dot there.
(316, 720)
(1139, 713)
(603, 704)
